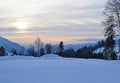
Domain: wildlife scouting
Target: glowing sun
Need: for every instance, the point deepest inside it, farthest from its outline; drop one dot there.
(21, 25)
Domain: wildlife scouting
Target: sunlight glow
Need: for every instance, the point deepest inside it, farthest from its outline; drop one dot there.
(21, 25)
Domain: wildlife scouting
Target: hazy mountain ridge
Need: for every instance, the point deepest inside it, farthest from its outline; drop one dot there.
(9, 45)
(78, 46)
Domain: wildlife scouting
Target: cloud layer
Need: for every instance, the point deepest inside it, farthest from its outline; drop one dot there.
(52, 20)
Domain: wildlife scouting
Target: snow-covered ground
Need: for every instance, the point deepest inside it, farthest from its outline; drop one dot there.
(54, 69)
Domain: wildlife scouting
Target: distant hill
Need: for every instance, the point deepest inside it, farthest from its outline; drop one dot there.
(9, 45)
(78, 46)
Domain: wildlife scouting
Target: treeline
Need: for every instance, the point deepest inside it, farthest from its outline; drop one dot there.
(40, 49)
(84, 52)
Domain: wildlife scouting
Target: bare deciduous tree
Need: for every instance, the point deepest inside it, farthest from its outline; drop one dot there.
(112, 8)
(39, 45)
(112, 26)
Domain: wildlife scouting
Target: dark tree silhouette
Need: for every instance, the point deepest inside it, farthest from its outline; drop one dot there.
(112, 26)
(2, 51)
(61, 48)
(31, 51)
(109, 48)
(69, 53)
(42, 52)
(39, 45)
(112, 8)
(14, 52)
(48, 48)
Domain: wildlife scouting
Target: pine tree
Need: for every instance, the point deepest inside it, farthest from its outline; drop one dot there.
(109, 48)
(2, 51)
(61, 48)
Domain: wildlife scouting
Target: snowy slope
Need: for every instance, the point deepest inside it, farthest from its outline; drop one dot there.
(39, 70)
(8, 45)
(99, 50)
(116, 48)
(51, 56)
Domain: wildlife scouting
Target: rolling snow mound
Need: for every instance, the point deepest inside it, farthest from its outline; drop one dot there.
(51, 56)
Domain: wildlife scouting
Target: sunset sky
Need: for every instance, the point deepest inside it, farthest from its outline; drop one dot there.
(71, 21)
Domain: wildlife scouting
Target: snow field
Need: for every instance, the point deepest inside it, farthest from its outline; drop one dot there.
(21, 69)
